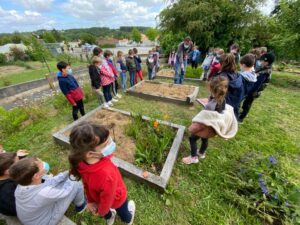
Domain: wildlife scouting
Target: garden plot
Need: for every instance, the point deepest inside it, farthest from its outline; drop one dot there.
(174, 93)
(170, 73)
(146, 149)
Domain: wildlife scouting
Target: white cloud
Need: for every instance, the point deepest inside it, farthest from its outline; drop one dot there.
(114, 13)
(36, 5)
(12, 20)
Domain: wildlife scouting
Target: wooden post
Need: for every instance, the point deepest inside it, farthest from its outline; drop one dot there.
(50, 81)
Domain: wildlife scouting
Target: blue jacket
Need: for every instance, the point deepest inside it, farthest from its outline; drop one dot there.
(138, 61)
(122, 65)
(195, 56)
(70, 88)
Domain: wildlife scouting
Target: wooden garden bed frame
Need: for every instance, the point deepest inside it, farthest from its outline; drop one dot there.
(128, 169)
(152, 96)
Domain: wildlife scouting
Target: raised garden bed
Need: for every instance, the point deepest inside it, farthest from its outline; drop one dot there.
(169, 74)
(174, 93)
(123, 128)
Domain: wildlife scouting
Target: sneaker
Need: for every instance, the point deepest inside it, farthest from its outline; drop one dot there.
(115, 100)
(189, 160)
(240, 120)
(119, 96)
(201, 156)
(111, 220)
(110, 103)
(105, 105)
(81, 209)
(131, 209)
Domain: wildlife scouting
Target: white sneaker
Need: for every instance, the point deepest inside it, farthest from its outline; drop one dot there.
(131, 209)
(110, 103)
(115, 100)
(105, 105)
(119, 96)
(111, 221)
(190, 160)
(201, 156)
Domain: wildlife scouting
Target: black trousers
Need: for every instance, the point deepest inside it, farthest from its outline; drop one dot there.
(79, 107)
(194, 64)
(193, 143)
(246, 106)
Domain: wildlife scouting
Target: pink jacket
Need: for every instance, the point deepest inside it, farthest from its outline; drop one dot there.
(107, 77)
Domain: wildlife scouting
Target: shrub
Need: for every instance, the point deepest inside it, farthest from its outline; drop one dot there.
(11, 120)
(66, 57)
(18, 54)
(5, 81)
(2, 59)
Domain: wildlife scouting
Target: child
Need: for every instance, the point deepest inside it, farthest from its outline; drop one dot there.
(207, 62)
(70, 88)
(218, 120)
(98, 52)
(96, 81)
(131, 66)
(122, 69)
(247, 63)
(138, 62)
(216, 64)
(195, 57)
(90, 160)
(263, 78)
(108, 62)
(150, 64)
(107, 78)
(235, 50)
(39, 202)
(236, 89)
(172, 58)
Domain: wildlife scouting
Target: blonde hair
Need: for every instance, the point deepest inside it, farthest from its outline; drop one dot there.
(96, 60)
(119, 54)
(218, 87)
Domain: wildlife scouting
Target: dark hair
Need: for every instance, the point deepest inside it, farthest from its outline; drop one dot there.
(248, 60)
(130, 52)
(218, 87)
(97, 51)
(256, 52)
(23, 170)
(62, 65)
(235, 46)
(107, 53)
(228, 63)
(135, 50)
(6, 160)
(84, 138)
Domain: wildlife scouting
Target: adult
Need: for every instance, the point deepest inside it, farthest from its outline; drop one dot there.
(183, 50)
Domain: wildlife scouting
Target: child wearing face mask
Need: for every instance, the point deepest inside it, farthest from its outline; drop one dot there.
(150, 64)
(216, 64)
(44, 199)
(90, 160)
(70, 88)
(122, 69)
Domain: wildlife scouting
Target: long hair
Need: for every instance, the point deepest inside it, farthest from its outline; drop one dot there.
(84, 138)
(218, 88)
(228, 63)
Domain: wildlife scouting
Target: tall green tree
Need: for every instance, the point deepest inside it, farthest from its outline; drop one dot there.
(136, 35)
(48, 37)
(16, 38)
(151, 33)
(88, 38)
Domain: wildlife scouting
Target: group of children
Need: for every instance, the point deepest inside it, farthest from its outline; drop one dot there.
(228, 87)
(28, 191)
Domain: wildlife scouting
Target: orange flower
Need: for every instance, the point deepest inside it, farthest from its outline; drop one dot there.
(155, 124)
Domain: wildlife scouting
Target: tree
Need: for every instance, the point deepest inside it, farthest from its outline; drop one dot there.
(49, 37)
(169, 41)
(16, 38)
(151, 33)
(88, 38)
(5, 40)
(136, 35)
(57, 35)
(210, 23)
(37, 51)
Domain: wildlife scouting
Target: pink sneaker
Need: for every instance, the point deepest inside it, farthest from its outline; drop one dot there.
(189, 160)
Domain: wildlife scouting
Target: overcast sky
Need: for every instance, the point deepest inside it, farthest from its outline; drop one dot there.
(30, 15)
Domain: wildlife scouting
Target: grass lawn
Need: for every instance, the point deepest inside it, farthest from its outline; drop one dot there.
(197, 194)
(32, 74)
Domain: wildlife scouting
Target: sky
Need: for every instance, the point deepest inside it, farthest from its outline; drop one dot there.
(31, 15)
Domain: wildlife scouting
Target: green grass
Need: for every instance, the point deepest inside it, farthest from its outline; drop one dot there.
(196, 194)
(31, 74)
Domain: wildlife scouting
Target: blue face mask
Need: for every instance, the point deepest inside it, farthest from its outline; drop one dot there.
(109, 149)
(70, 72)
(46, 167)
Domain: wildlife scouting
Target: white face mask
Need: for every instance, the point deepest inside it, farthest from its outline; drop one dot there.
(186, 46)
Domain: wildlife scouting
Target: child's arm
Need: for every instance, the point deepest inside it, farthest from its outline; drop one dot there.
(106, 197)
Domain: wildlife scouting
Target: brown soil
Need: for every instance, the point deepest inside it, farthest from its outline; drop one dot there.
(6, 70)
(165, 89)
(166, 73)
(116, 123)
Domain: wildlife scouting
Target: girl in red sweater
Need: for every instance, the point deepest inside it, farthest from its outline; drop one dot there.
(90, 160)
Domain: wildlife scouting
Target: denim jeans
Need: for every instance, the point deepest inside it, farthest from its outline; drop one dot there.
(123, 80)
(179, 74)
(106, 92)
(150, 71)
(123, 212)
(131, 76)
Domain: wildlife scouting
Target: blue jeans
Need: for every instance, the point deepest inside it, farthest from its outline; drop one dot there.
(131, 76)
(123, 212)
(179, 73)
(123, 80)
(106, 92)
(150, 71)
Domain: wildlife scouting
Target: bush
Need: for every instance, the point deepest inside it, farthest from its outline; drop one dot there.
(18, 54)
(5, 81)
(11, 120)
(67, 58)
(2, 59)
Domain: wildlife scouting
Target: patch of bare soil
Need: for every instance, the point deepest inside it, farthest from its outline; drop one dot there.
(116, 123)
(6, 70)
(166, 73)
(165, 89)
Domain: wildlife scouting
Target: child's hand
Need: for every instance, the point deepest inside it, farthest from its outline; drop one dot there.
(22, 153)
(92, 207)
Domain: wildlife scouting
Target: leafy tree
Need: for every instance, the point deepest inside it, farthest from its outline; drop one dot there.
(88, 38)
(37, 51)
(151, 33)
(57, 35)
(169, 41)
(5, 40)
(136, 35)
(48, 37)
(16, 38)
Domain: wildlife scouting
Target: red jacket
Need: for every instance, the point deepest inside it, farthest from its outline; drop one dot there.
(214, 69)
(103, 185)
(106, 75)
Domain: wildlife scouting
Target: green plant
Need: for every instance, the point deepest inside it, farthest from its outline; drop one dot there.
(265, 189)
(152, 142)
(2, 59)
(67, 58)
(11, 121)
(6, 82)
